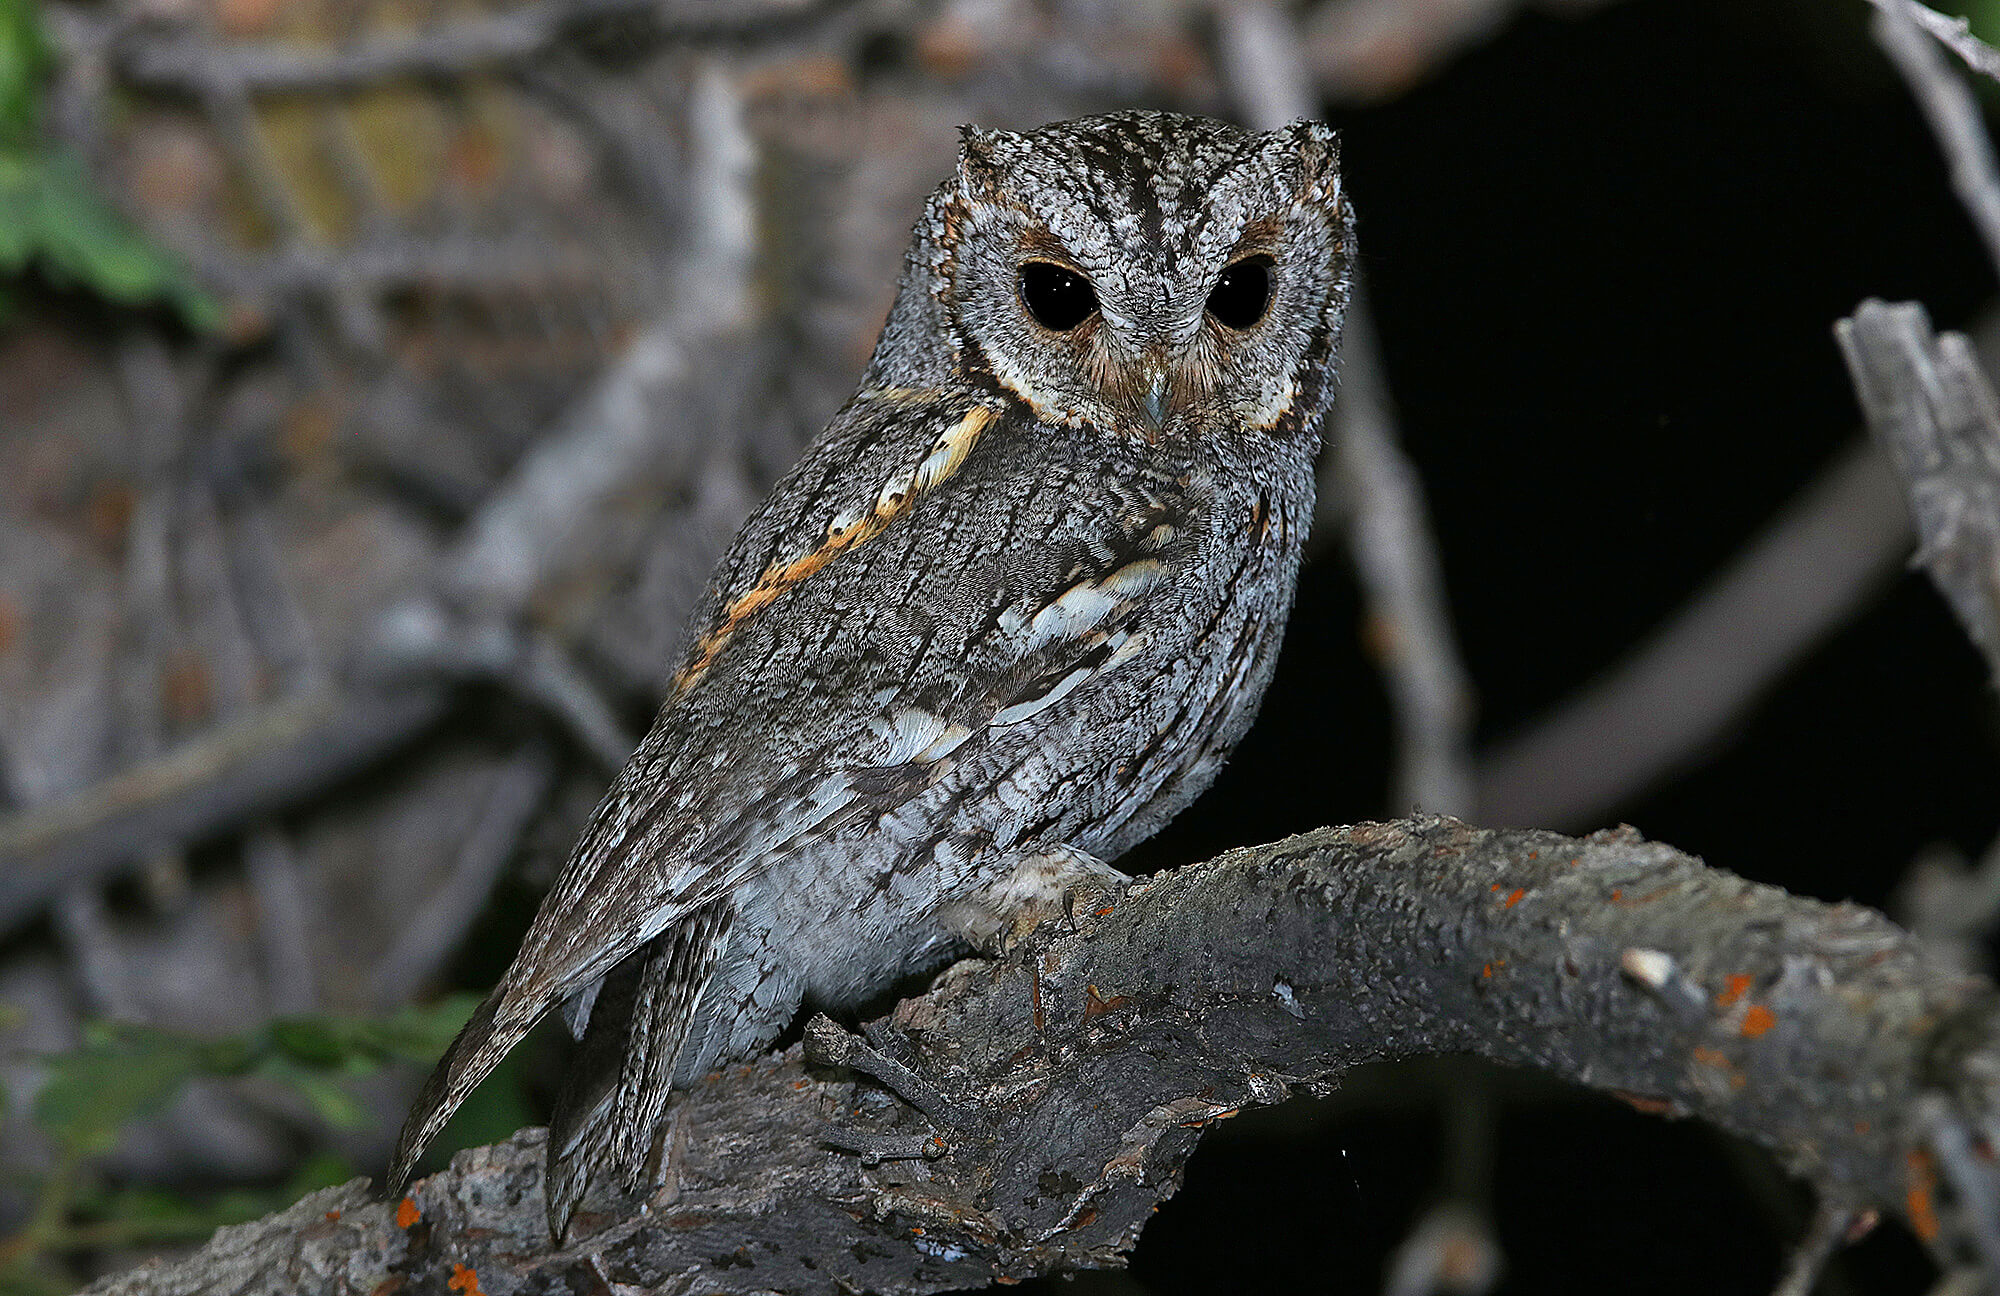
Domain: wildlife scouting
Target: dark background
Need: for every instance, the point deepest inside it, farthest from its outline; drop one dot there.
(1605, 258)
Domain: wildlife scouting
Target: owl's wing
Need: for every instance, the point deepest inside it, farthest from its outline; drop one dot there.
(887, 606)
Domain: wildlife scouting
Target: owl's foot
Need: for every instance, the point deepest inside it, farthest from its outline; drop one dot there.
(1059, 882)
(827, 1044)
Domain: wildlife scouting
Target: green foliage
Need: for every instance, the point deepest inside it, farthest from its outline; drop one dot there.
(24, 61)
(121, 1073)
(52, 220)
(1985, 16)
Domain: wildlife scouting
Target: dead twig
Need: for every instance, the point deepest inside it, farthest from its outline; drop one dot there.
(1955, 34)
(1402, 580)
(1933, 413)
(487, 41)
(1832, 1226)
(221, 778)
(1953, 113)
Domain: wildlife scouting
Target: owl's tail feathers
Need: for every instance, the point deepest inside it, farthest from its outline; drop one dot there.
(478, 1048)
(500, 1022)
(615, 1094)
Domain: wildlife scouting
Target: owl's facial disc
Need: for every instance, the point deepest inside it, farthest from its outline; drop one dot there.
(1148, 364)
(1161, 276)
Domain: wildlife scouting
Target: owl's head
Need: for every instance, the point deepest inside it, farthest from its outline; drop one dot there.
(1140, 272)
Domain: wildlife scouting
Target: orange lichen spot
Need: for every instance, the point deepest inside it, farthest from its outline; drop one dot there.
(407, 1213)
(333, 1217)
(1100, 913)
(1720, 1061)
(1733, 989)
(1618, 897)
(1534, 854)
(1094, 1005)
(1487, 971)
(1758, 1020)
(1646, 1103)
(1922, 1201)
(1495, 887)
(465, 1280)
(1515, 898)
(1861, 1128)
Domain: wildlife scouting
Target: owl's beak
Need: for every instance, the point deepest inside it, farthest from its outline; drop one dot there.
(1153, 401)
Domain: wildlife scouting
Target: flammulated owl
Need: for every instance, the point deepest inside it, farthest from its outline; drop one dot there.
(1009, 614)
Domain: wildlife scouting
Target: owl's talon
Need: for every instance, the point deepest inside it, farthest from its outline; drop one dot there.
(828, 1045)
(875, 1148)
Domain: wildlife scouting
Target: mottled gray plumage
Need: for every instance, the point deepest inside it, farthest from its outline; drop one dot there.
(1008, 615)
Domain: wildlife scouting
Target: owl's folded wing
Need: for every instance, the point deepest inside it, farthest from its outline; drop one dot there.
(860, 634)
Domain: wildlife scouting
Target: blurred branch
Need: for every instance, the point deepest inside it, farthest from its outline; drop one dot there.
(229, 774)
(1810, 569)
(1833, 1226)
(1402, 581)
(484, 41)
(624, 430)
(1818, 562)
(1933, 413)
(433, 932)
(1953, 112)
(1954, 33)
(1260, 53)
(1091, 1062)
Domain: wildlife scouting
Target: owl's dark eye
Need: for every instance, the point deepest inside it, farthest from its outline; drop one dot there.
(1243, 293)
(1059, 299)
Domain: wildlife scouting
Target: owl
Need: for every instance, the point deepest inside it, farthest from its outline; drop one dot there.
(1009, 614)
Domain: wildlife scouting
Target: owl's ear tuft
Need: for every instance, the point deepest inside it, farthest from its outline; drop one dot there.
(1314, 148)
(982, 161)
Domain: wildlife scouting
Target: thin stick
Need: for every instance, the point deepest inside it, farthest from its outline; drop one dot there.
(1954, 116)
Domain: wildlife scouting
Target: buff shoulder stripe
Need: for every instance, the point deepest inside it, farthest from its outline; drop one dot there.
(897, 497)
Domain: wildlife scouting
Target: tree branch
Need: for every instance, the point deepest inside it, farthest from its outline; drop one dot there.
(1093, 1059)
(1934, 413)
(1952, 110)
(194, 65)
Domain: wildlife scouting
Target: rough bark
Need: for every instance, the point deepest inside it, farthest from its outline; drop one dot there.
(1072, 1079)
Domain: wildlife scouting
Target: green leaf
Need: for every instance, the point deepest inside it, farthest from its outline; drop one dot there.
(331, 1100)
(52, 219)
(91, 1093)
(315, 1041)
(415, 1033)
(24, 61)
